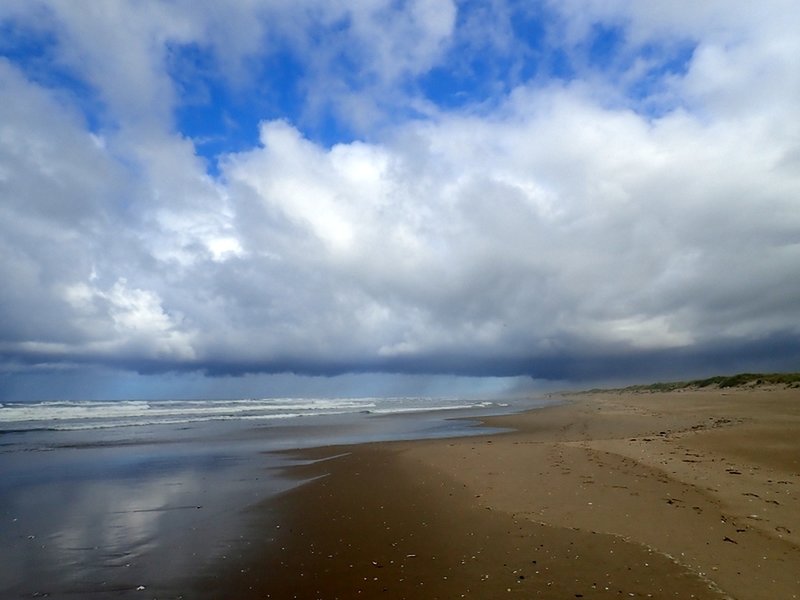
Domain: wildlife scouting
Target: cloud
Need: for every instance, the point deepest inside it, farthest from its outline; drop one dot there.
(564, 230)
(352, 54)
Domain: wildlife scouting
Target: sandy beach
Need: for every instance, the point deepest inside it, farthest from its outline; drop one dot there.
(685, 494)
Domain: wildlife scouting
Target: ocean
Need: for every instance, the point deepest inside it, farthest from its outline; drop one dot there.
(87, 415)
(111, 499)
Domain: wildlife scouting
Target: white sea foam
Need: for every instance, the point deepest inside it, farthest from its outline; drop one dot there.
(413, 409)
(91, 414)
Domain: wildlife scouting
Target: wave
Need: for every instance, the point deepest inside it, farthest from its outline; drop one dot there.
(94, 414)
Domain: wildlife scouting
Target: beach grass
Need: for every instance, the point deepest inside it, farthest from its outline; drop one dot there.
(717, 381)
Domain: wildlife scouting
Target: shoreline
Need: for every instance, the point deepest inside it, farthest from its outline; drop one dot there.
(661, 495)
(115, 511)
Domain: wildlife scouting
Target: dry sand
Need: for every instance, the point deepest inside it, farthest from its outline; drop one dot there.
(635, 495)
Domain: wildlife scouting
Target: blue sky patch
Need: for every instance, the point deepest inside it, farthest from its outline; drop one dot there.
(35, 52)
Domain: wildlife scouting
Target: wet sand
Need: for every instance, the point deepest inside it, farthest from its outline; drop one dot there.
(651, 495)
(143, 511)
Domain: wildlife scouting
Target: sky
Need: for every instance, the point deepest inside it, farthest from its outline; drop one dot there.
(261, 197)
